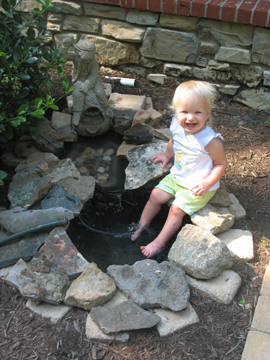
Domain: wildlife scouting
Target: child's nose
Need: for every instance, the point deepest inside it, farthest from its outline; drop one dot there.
(189, 116)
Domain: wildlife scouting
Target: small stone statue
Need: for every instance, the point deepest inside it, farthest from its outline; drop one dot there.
(88, 91)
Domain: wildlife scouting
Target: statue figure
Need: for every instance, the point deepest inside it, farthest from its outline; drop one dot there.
(88, 91)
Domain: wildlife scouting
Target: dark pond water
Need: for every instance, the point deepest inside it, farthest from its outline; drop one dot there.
(102, 231)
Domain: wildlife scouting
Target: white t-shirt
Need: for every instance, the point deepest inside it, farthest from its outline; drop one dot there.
(192, 163)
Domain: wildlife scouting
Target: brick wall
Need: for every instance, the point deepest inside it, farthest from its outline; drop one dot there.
(254, 12)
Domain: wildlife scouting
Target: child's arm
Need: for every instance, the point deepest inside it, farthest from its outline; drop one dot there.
(217, 153)
(166, 156)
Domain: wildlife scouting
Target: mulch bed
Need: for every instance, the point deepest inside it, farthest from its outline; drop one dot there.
(222, 330)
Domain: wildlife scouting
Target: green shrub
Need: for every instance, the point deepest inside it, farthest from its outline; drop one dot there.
(24, 69)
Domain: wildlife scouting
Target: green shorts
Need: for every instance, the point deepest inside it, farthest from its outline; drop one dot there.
(184, 198)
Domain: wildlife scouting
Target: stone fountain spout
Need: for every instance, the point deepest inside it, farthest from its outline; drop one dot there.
(92, 115)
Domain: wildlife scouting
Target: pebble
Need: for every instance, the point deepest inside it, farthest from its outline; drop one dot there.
(96, 163)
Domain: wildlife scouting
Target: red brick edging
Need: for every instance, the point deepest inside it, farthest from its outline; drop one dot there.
(251, 12)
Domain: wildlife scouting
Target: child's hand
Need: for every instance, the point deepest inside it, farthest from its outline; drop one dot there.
(160, 157)
(84, 89)
(201, 188)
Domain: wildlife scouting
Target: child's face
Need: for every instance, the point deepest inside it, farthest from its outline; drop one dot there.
(192, 113)
(85, 56)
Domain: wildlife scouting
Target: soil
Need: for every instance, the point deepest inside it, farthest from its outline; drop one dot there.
(222, 330)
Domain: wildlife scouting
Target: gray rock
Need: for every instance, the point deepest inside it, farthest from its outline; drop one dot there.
(177, 70)
(239, 243)
(172, 321)
(199, 253)
(178, 22)
(60, 119)
(258, 99)
(92, 288)
(112, 53)
(221, 197)
(83, 24)
(93, 333)
(138, 134)
(28, 187)
(122, 31)
(24, 249)
(82, 187)
(69, 7)
(55, 313)
(19, 219)
(248, 75)
(158, 78)
(213, 218)
(150, 284)
(228, 89)
(213, 75)
(66, 134)
(58, 196)
(226, 33)
(221, 289)
(233, 55)
(260, 52)
(163, 134)
(104, 11)
(123, 317)
(36, 159)
(124, 108)
(44, 142)
(141, 168)
(142, 17)
(169, 45)
(59, 250)
(39, 281)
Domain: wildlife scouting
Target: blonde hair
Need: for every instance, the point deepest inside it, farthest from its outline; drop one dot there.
(199, 89)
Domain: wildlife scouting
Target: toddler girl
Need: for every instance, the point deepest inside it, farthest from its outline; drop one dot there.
(199, 163)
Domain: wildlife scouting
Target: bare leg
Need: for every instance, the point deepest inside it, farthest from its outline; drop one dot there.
(152, 207)
(170, 227)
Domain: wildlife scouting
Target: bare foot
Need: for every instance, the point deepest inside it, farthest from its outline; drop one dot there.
(138, 231)
(151, 249)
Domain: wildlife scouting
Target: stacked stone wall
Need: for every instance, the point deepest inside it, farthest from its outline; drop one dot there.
(233, 54)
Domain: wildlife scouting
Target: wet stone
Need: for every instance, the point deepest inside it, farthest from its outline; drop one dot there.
(92, 288)
(24, 249)
(199, 253)
(138, 134)
(123, 317)
(58, 196)
(150, 284)
(82, 187)
(39, 281)
(19, 219)
(59, 250)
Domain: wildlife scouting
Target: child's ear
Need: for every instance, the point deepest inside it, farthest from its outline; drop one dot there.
(209, 112)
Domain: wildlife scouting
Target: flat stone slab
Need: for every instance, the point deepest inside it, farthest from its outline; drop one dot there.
(221, 289)
(92, 288)
(213, 218)
(58, 196)
(19, 219)
(199, 253)
(24, 248)
(82, 187)
(240, 244)
(141, 168)
(60, 250)
(55, 313)
(265, 289)
(123, 317)
(34, 160)
(39, 281)
(60, 119)
(150, 284)
(172, 321)
(261, 319)
(93, 333)
(257, 346)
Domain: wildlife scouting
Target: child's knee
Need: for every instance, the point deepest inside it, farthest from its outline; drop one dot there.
(176, 211)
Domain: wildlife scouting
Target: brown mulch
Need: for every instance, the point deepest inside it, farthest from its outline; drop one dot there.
(222, 330)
